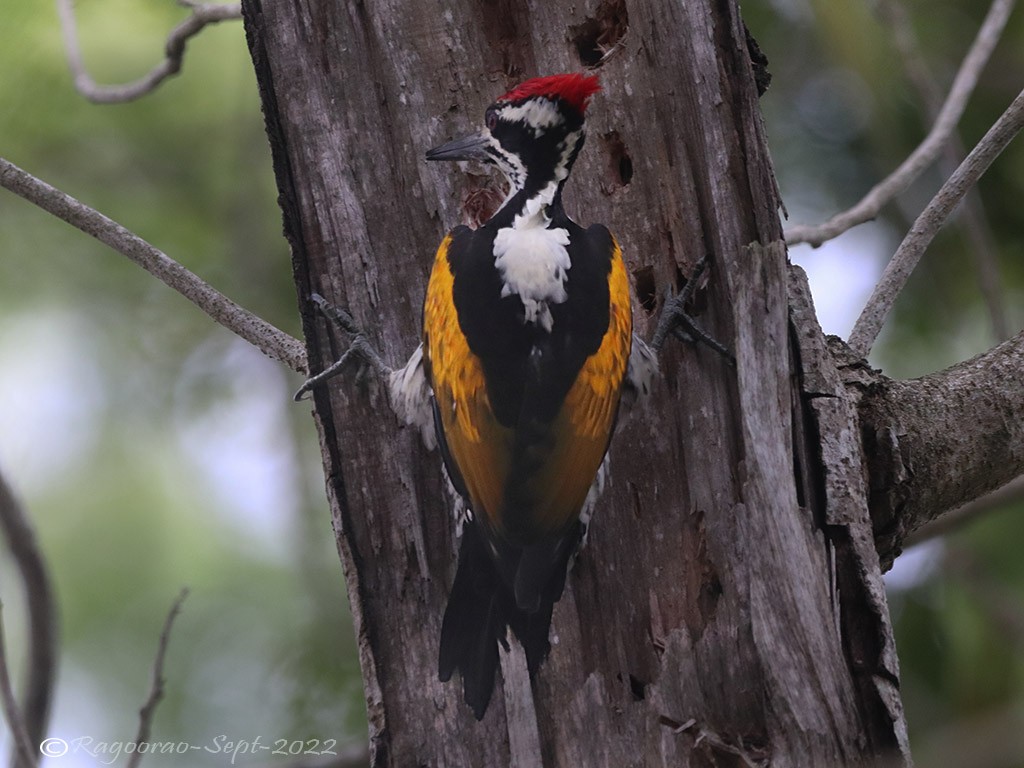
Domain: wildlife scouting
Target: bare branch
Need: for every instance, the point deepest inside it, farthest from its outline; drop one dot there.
(156, 691)
(972, 219)
(963, 85)
(174, 50)
(42, 660)
(274, 343)
(22, 742)
(868, 325)
(960, 517)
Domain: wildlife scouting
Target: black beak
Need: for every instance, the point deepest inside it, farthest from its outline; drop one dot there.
(467, 148)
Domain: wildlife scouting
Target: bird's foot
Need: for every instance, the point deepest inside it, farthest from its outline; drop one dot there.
(676, 321)
(360, 352)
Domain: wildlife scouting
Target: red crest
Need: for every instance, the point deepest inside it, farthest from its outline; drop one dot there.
(574, 89)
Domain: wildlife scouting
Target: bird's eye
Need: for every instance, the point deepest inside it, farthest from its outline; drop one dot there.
(491, 119)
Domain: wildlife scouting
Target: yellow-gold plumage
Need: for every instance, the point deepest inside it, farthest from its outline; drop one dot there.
(481, 448)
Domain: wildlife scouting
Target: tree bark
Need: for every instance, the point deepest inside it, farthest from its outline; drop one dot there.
(728, 608)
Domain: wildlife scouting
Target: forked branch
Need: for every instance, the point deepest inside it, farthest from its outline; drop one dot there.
(868, 325)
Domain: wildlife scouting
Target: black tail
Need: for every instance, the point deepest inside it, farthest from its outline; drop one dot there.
(482, 605)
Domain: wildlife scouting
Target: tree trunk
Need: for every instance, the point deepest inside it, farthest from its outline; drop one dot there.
(728, 607)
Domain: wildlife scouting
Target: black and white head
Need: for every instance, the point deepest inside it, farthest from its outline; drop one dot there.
(532, 133)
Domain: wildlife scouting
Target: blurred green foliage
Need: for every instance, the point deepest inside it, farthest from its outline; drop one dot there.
(154, 451)
(151, 448)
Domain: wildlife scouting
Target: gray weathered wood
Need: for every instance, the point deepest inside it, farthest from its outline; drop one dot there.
(837, 490)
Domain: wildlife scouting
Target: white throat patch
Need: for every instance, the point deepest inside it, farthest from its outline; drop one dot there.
(533, 260)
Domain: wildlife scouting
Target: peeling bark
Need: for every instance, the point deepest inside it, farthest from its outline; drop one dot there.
(836, 488)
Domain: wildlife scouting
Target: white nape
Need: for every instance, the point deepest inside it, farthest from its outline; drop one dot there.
(538, 113)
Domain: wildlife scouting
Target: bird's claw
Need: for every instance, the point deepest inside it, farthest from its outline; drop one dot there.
(677, 322)
(340, 316)
(359, 348)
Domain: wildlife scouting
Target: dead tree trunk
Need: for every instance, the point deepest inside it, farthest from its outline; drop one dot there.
(728, 608)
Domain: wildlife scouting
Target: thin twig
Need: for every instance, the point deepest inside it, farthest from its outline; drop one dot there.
(274, 343)
(972, 219)
(963, 85)
(753, 758)
(42, 659)
(174, 50)
(22, 742)
(156, 690)
(928, 223)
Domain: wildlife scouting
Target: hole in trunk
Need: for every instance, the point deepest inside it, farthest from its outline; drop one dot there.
(598, 36)
(637, 688)
(646, 290)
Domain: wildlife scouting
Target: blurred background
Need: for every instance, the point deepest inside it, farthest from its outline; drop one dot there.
(154, 450)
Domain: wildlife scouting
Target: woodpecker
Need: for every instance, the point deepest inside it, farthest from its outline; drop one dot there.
(526, 359)
(527, 352)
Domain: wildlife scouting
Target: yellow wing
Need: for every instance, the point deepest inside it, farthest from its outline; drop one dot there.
(479, 446)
